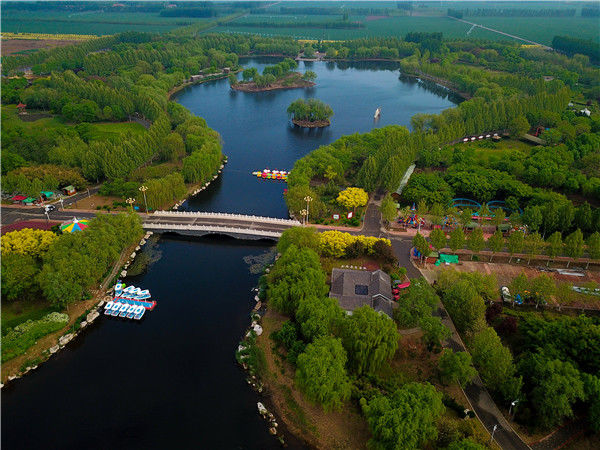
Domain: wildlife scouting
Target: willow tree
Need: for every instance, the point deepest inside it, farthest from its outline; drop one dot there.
(369, 338)
(311, 110)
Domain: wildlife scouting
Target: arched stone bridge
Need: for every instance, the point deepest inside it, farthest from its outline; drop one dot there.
(202, 223)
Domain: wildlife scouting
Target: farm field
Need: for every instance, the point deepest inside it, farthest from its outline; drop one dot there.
(542, 29)
(387, 26)
(539, 29)
(12, 46)
(91, 22)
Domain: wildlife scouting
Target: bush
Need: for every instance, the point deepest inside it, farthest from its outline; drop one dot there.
(24, 335)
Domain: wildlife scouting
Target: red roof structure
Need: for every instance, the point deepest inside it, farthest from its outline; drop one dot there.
(18, 198)
(35, 224)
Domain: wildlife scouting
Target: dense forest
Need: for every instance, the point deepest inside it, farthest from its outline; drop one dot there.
(507, 93)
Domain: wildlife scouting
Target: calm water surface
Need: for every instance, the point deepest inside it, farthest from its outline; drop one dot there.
(171, 381)
(258, 134)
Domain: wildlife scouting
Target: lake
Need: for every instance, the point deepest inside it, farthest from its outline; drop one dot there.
(171, 381)
(258, 134)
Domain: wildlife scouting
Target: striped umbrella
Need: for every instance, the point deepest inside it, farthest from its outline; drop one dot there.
(75, 225)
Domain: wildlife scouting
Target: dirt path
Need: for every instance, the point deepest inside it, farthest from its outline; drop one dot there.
(74, 311)
(344, 429)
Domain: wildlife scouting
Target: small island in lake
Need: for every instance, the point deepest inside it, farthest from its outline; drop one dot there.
(279, 76)
(311, 113)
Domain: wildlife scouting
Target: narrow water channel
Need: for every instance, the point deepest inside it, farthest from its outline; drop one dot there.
(171, 381)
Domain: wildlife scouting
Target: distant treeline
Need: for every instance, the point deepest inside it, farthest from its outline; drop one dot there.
(319, 11)
(189, 12)
(297, 24)
(571, 46)
(511, 12)
(590, 12)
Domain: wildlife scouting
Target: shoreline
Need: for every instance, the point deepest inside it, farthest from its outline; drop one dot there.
(88, 311)
(279, 84)
(309, 124)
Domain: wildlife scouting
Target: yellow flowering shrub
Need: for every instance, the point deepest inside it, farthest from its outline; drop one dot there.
(27, 242)
(334, 243)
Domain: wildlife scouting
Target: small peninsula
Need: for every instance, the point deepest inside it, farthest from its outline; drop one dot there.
(311, 113)
(278, 76)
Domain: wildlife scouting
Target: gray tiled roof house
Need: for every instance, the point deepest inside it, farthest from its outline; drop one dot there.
(356, 288)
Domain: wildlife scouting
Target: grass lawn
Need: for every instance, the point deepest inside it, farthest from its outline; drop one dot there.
(108, 130)
(16, 312)
(98, 130)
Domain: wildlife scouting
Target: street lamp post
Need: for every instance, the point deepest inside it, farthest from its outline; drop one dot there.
(513, 404)
(144, 189)
(307, 199)
(131, 201)
(304, 213)
(493, 431)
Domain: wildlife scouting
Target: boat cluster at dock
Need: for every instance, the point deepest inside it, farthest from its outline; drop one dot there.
(129, 302)
(272, 174)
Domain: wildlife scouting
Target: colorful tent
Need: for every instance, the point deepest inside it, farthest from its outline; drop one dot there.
(29, 200)
(75, 225)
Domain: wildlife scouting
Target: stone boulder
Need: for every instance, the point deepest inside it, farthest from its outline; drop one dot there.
(64, 340)
(93, 315)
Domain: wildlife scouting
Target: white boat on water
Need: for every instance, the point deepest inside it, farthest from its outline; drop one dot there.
(115, 309)
(143, 295)
(377, 113)
(123, 310)
(119, 288)
(139, 312)
(131, 311)
(108, 308)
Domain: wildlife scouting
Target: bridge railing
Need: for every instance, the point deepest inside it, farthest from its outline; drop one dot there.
(211, 229)
(216, 215)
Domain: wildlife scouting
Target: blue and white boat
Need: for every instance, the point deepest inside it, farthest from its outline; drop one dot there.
(108, 308)
(143, 295)
(139, 312)
(119, 288)
(115, 309)
(123, 310)
(130, 311)
(127, 292)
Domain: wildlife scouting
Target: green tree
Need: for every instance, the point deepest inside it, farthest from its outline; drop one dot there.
(321, 373)
(309, 75)
(555, 245)
(516, 241)
(369, 338)
(18, 275)
(172, 148)
(457, 239)
(493, 360)
(499, 216)
(301, 237)
(296, 275)
(574, 244)
(593, 245)
(434, 332)
(476, 241)
(555, 386)
(418, 301)
(496, 243)
(421, 244)
(318, 316)
(456, 367)
(466, 306)
(533, 245)
(405, 419)
(518, 126)
(532, 217)
(438, 239)
(388, 208)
